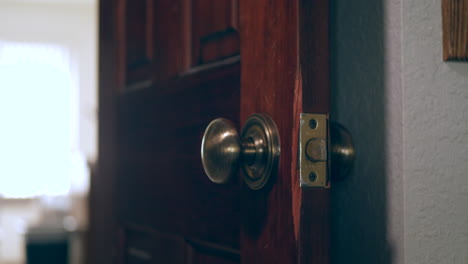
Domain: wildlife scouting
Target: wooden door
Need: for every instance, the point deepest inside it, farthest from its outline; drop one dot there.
(169, 67)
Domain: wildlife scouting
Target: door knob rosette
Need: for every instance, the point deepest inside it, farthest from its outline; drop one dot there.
(256, 150)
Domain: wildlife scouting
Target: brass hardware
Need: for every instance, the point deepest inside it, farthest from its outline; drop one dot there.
(220, 150)
(257, 150)
(316, 149)
(313, 149)
(342, 151)
(315, 155)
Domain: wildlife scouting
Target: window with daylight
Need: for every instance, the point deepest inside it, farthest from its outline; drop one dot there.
(39, 121)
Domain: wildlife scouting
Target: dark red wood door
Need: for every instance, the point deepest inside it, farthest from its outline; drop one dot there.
(169, 67)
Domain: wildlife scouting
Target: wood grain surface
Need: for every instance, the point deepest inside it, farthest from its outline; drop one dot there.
(455, 29)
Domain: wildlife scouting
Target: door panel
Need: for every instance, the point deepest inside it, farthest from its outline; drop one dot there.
(214, 30)
(166, 95)
(163, 39)
(160, 173)
(148, 247)
(207, 253)
(139, 38)
(169, 67)
(153, 40)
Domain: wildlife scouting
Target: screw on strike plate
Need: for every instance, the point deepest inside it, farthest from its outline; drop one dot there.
(313, 176)
(313, 123)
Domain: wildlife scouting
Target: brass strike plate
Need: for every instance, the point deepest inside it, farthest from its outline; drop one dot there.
(313, 151)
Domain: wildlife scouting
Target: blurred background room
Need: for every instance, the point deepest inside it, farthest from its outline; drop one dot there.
(48, 112)
(405, 202)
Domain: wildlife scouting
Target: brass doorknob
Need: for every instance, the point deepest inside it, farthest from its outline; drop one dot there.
(256, 150)
(343, 152)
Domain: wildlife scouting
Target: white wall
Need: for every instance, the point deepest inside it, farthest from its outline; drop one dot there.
(367, 222)
(407, 199)
(435, 146)
(71, 24)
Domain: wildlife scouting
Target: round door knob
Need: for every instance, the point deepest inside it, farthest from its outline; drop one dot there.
(256, 150)
(343, 152)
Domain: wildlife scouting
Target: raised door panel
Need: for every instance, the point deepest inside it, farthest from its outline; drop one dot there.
(162, 40)
(215, 33)
(177, 70)
(206, 253)
(144, 246)
(148, 247)
(154, 41)
(160, 180)
(139, 36)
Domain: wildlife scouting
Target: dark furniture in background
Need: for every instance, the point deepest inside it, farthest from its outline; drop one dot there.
(47, 246)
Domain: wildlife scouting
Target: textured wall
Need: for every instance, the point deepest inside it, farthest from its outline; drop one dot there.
(367, 221)
(407, 199)
(435, 129)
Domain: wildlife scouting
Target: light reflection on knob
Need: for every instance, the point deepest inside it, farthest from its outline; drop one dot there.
(256, 151)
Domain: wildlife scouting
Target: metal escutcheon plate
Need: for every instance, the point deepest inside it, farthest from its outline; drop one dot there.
(257, 150)
(261, 133)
